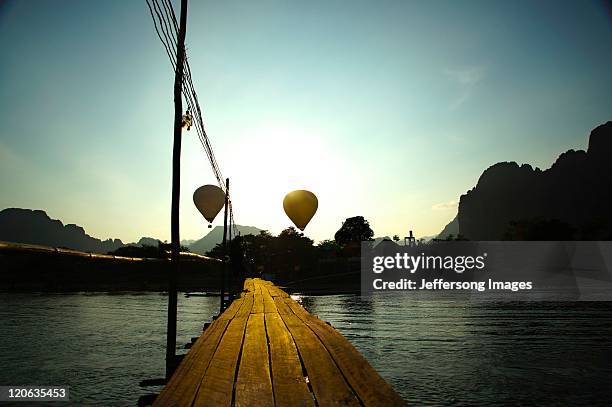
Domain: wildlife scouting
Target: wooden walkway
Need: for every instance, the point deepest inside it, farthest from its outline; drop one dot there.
(266, 350)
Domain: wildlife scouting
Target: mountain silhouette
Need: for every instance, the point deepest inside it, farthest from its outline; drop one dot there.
(147, 241)
(574, 195)
(451, 229)
(215, 236)
(151, 241)
(36, 227)
(32, 226)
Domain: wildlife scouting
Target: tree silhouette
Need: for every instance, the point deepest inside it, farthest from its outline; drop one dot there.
(286, 255)
(354, 230)
(292, 237)
(329, 245)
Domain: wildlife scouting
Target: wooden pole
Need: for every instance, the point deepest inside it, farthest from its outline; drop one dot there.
(225, 214)
(176, 187)
(224, 268)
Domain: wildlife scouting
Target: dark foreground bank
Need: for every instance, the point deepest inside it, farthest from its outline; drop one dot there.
(29, 268)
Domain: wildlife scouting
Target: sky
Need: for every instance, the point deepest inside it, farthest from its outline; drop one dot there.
(385, 109)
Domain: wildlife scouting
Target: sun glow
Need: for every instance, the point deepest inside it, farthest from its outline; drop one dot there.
(275, 160)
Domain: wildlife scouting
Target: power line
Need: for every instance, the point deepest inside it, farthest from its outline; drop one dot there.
(166, 23)
(166, 27)
(166, 45)
(169, 41)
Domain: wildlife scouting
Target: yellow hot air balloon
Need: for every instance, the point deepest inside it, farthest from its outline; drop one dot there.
(300, 206)
(209, 199)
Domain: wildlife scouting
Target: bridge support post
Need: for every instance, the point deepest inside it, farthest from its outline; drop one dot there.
(171, 360)
(225, 251)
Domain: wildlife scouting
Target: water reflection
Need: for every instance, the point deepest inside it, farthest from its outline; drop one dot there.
(467, 353)
(100, 345)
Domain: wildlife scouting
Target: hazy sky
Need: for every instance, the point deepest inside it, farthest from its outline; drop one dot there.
(390, 110)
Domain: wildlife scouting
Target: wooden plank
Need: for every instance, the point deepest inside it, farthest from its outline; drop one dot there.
(369, 386)
(185, 380)
(231, 311)
(247, 305)
(258, 286)
(254, 385)
(277, 292)
(268, 301)
(281, 306)
(258, 304)
(259, 350)
(295, 307)
(182, 387)
(326, 380)
(217, 384)
(290, 388)
(249, 285)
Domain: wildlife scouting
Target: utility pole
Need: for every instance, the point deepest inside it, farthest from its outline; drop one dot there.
(411, 240)
(225, 252)
(176, 188)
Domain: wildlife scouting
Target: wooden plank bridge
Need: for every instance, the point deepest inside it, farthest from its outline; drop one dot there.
(266, 350)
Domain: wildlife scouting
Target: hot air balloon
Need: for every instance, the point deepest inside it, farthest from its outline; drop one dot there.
(300, 206)
(209, 199)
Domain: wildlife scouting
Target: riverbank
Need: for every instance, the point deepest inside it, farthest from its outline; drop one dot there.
(30, 268)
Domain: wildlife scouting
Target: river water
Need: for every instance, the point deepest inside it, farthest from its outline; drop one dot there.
(432, 352)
